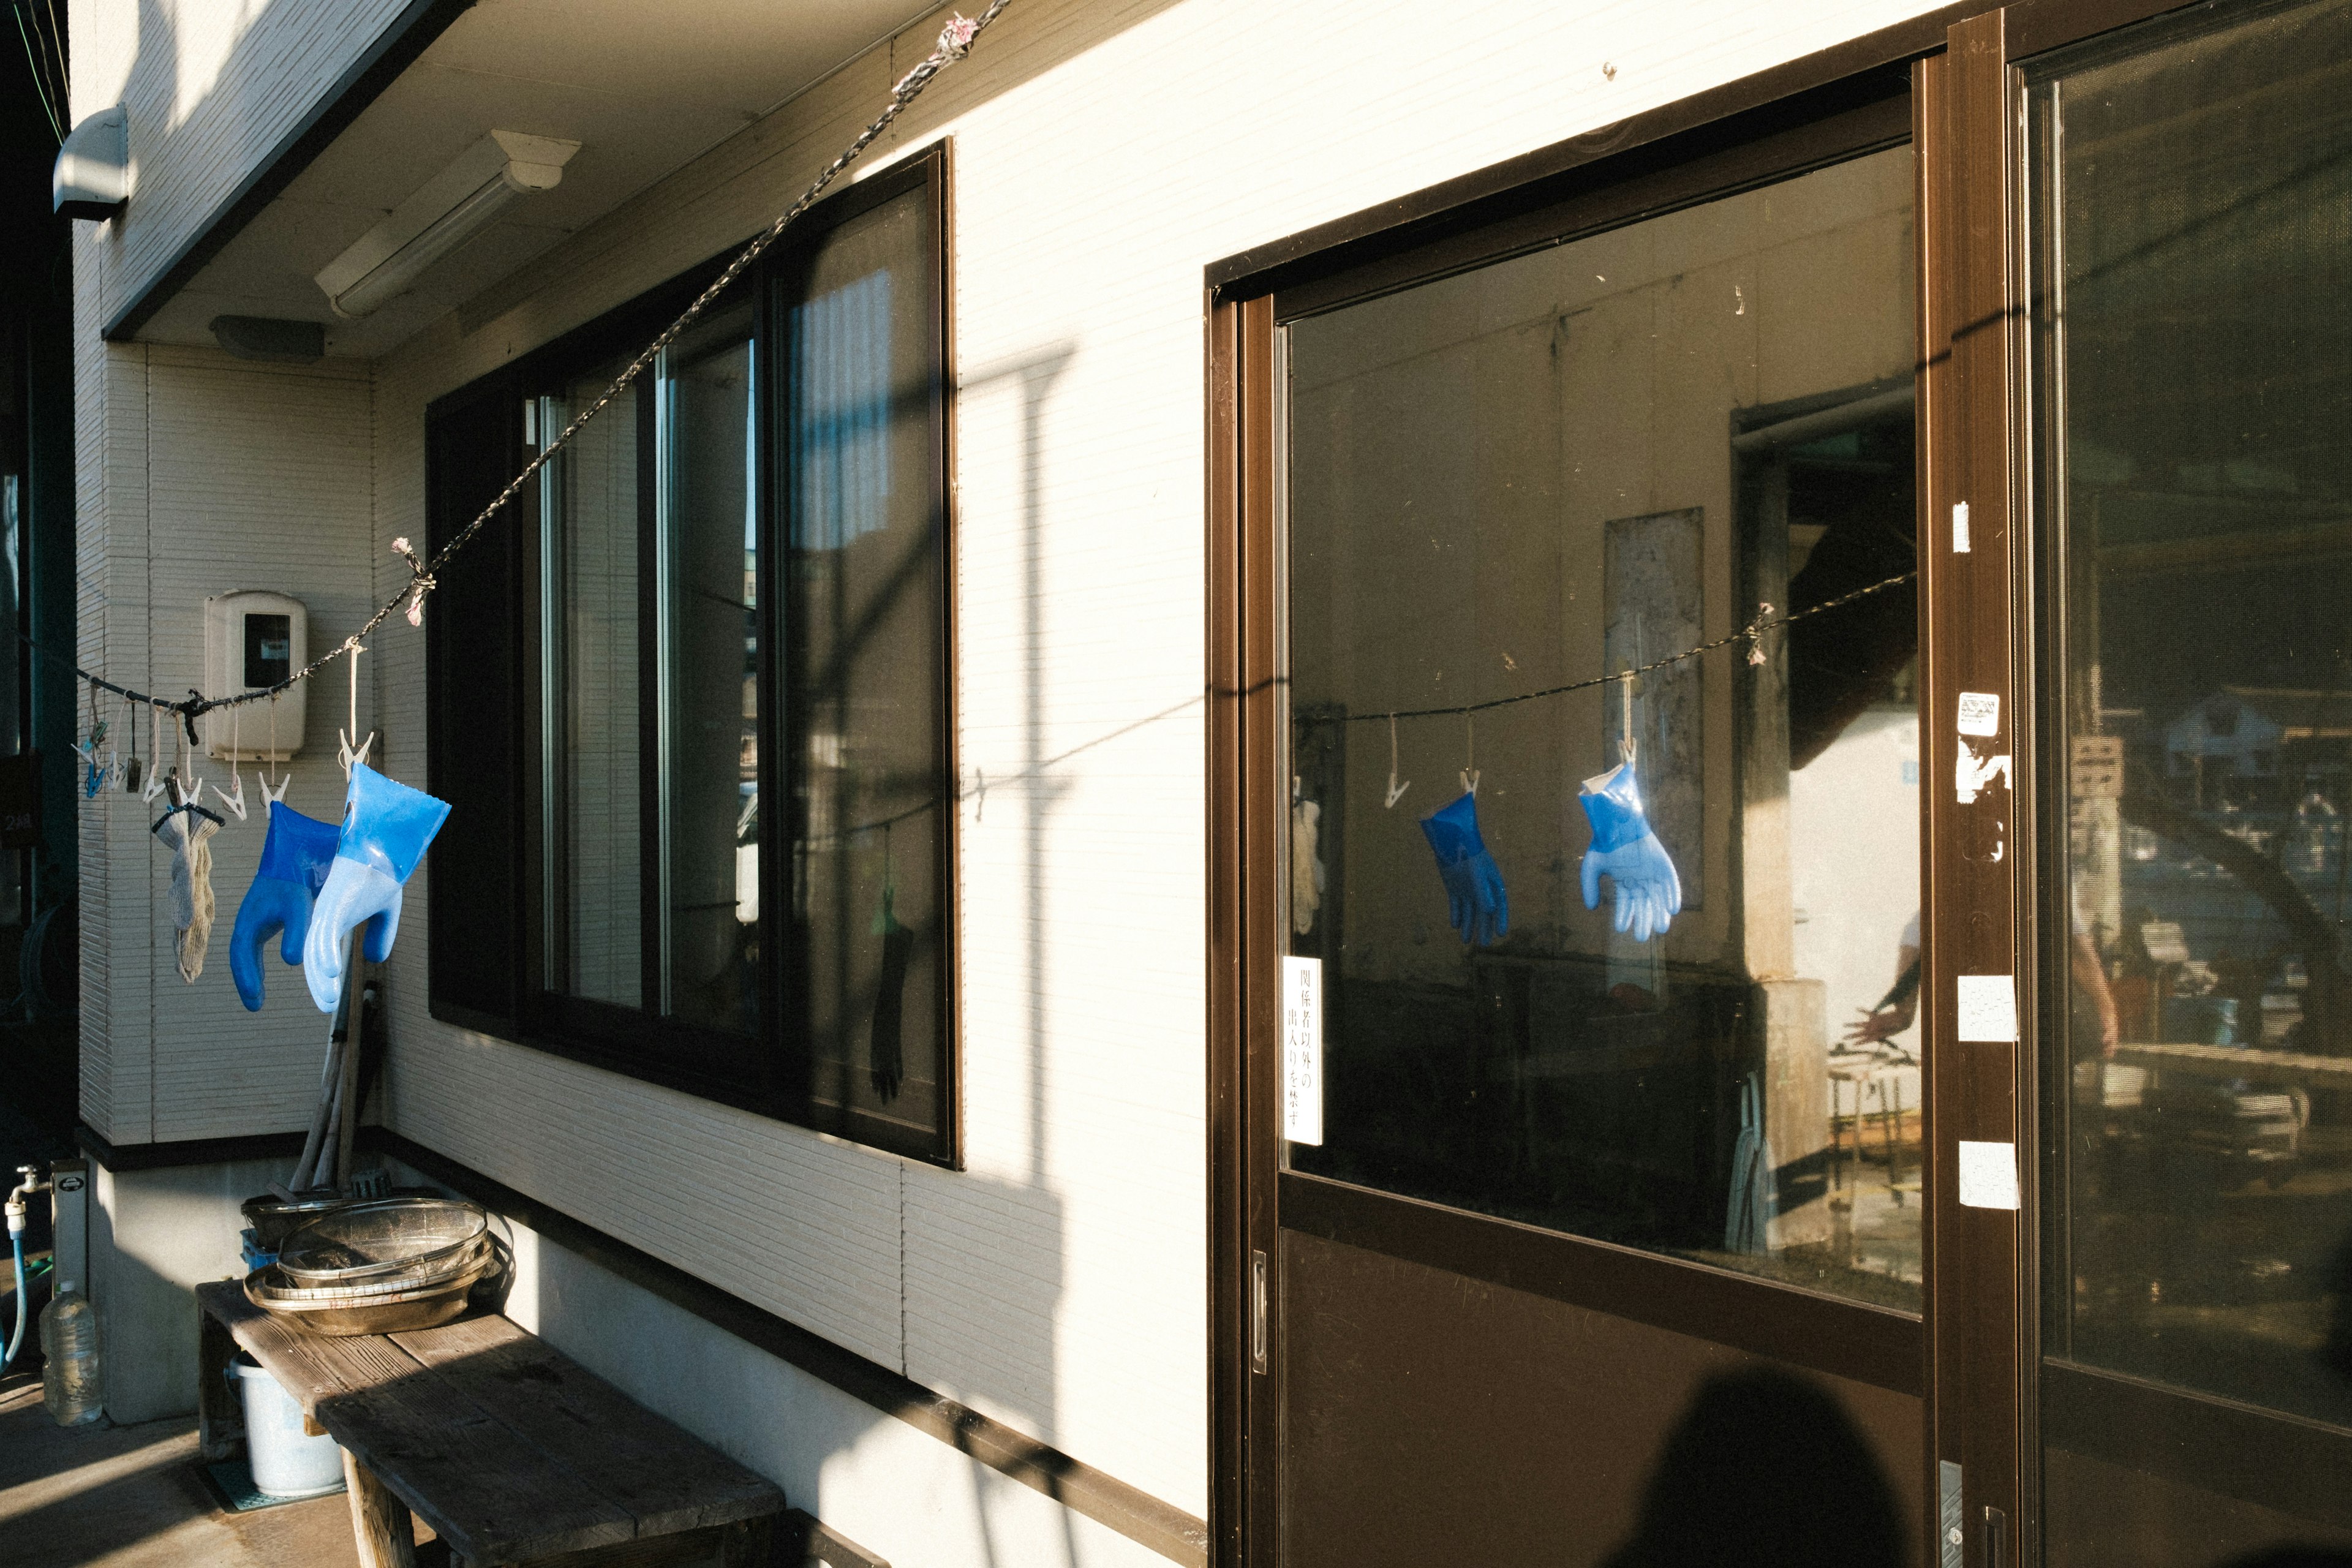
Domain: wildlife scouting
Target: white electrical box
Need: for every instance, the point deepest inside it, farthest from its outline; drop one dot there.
(255, 639)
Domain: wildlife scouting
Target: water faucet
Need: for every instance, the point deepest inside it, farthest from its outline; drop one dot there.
(32, 1182)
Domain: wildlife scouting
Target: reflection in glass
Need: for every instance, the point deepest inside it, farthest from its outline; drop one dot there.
(863, 624)
(708, 551)
(1551, 470)
(588, 520)
(2192, 233)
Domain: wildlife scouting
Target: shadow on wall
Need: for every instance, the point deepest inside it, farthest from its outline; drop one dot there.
(1767, 1471)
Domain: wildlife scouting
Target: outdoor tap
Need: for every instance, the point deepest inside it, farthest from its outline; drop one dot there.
(33, 1181)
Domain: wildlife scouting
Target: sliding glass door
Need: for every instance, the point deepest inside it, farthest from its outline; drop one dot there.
(2187, 219)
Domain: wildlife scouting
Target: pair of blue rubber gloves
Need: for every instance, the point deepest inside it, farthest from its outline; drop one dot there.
(318, 882)
(1624, 849)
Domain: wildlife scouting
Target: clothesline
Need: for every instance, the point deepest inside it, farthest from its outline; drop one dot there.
(1751, 633)
(954, 43)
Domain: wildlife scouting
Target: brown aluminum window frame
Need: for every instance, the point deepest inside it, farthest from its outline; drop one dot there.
(759, 1073)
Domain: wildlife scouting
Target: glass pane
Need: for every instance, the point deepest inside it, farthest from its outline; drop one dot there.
(2192, 230)
(589, 560)
(1539, 475)
(710, 753)
(864, 621)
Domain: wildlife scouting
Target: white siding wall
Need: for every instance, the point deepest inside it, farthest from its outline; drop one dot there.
(211, 87)
(1104, 152)
(202, 475)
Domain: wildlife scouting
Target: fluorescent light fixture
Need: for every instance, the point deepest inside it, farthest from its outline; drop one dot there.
(445, 212)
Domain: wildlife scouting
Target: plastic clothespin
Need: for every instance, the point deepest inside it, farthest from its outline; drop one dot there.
(345, 753)
(1470, 756)
(154, 785)
(1396, 790)
(1625, 729)
(233, 799)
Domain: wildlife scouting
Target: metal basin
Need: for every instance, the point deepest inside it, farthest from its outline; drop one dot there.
(343, 1313)
(390, 1239)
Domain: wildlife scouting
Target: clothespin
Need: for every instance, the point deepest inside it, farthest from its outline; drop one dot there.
(132, 772)
(1396, 790)
(233, 799)
(273, 796)
(349, 756)
(154, 785)
(1625, 729)
(1470, 757)
(191, 782)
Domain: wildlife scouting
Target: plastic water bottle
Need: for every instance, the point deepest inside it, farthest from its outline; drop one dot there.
(69, 1379)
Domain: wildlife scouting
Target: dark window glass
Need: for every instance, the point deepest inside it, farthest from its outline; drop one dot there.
(865, 630)
(707, 646)
(1543, 473)
(2191, 238)
(588, 558)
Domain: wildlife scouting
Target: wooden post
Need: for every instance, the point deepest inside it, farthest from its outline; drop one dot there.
(380, 1527)
(220, 1419)
(749, 1544)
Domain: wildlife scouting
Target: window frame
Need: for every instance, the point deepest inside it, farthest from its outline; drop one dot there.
(769, 1072)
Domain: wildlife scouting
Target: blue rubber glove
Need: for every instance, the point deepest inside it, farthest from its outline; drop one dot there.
(386, 827)
(1475, 902)
(294, 861)
(1649, 889)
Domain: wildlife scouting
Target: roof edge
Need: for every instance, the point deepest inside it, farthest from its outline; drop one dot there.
(409, 34)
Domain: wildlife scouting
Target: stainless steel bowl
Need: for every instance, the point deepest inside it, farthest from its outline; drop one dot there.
(345, 1313)
(391, 1238)
(473, 1262)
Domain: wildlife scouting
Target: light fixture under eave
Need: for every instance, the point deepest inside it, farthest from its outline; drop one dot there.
(443, 214)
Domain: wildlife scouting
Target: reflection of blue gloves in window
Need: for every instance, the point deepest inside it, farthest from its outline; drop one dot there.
(386, 827)
(1475, 902)
(294, 861)
(1649, 890)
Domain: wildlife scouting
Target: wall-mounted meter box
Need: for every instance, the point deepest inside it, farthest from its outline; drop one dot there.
(255, 639)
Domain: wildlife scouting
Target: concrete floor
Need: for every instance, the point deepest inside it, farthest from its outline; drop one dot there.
(129, 1497)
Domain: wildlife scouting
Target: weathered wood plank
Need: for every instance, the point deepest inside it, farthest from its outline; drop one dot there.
(665, 1476)
(380, 1523)
(494, 1494)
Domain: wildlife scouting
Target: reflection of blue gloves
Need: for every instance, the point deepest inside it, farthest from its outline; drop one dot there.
(1474, 899)
(1649, 891)
(386, 827)
(294, 861)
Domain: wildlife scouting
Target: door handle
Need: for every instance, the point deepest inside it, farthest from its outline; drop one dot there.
(1996, 1537)
(1257, 1311)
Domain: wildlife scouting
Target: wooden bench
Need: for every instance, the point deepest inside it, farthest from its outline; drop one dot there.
(511, 1452)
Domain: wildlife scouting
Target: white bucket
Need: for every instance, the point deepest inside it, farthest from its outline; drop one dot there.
(286, 1461)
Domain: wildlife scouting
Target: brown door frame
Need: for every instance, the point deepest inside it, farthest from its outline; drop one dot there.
(1971, 856)
(1978, 913)
(1984, 910)
(1245, 924)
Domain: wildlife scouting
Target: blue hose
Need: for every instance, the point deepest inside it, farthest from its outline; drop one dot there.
(17, 1339)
